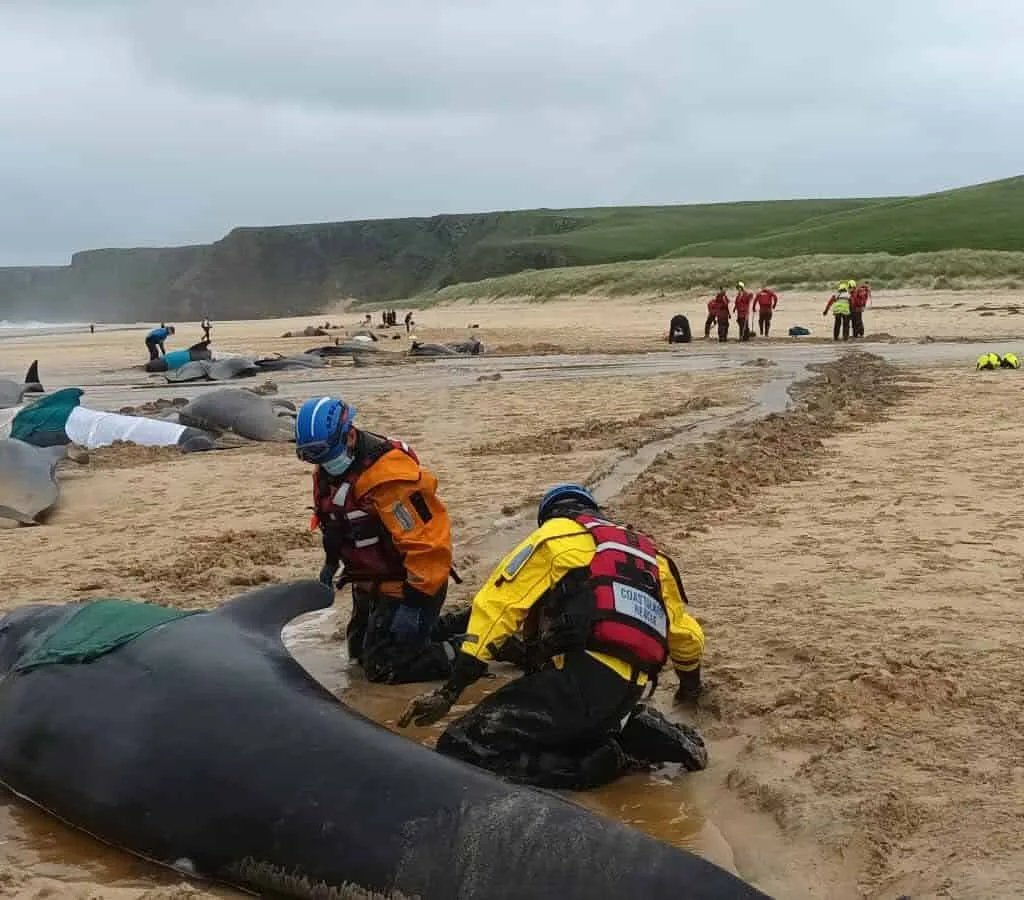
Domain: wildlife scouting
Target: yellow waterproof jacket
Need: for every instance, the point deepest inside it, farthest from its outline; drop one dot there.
(535, 566)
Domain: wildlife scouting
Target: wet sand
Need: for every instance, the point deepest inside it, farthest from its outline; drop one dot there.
(833, 675)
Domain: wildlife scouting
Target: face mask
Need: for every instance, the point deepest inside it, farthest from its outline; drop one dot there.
(337, 466)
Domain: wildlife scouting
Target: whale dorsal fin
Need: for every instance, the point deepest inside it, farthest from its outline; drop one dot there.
(269, 609)
(32, 375)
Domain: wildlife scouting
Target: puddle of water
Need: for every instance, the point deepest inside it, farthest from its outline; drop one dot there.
(661, 804)
(42, 847)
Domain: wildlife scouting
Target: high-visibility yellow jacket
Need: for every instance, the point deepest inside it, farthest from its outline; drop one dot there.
(535, 566)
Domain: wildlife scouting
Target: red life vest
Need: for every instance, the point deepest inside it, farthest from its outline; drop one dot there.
(366, 549)
(628, 618)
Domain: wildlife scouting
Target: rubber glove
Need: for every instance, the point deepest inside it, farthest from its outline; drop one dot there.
(427, 709)
(430, 708)
(405, 626)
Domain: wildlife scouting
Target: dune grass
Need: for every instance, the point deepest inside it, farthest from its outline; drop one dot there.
(945, 270)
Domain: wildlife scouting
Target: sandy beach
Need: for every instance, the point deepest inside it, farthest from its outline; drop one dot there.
(855, 560)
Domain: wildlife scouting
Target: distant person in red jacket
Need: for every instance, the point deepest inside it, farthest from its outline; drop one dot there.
(741, 306)
(718, 311)
(765, 302)
(860, 296)
(712, 306)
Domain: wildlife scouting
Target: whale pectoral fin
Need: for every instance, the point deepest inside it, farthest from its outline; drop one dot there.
(269, 609)
(7, 512)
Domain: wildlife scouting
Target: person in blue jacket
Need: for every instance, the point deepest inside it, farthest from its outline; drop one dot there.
(155, 339)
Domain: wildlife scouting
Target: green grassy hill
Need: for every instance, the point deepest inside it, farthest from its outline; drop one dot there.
(984, 217)
(299, 269)
(616, 234)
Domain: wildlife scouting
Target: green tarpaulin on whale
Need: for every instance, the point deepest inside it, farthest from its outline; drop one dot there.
(96, 629)
(42, 423)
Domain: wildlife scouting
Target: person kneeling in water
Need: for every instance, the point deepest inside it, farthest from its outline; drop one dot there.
(609, 611)
(378, 511)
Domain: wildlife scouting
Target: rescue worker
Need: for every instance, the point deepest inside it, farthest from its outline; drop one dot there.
(1009, 361)
(378, 511)
(765, 302)
(718, 311)
(742, 309)
(608, 610)
(860, 295)
(155, 340)
(987, 361)
(839, 303)
(710, 320)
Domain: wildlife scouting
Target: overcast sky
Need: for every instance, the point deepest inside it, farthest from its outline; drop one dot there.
(158, 122)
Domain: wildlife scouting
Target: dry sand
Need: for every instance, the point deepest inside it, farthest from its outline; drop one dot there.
(865, 683)
(855, 563)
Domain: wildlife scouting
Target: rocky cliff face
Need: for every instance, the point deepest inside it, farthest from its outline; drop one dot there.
(286, 270)
(99, 285)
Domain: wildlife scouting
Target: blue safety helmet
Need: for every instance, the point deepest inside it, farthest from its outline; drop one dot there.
(321, 429)
(561, 493)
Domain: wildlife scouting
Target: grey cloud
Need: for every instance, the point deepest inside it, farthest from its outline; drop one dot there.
(131, 123)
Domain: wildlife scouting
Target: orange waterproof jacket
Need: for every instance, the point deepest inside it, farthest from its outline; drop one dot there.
(384, 521)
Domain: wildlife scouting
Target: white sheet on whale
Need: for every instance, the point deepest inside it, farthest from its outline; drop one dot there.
(91, 429)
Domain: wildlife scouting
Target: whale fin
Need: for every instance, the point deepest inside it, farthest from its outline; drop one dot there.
(32, 384)
(269, 609)
(7, 512)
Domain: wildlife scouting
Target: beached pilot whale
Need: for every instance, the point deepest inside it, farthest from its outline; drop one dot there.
(28, 480)
(200, 743)
(12, 393)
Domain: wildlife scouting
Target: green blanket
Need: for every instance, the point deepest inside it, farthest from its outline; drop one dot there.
(96, 629)
(46, 416)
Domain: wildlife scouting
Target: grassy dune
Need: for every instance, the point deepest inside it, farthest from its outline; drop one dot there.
(948, 269)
